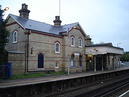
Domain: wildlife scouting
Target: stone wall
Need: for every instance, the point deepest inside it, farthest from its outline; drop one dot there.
(44, 44)
(16, 50)
(69, 50)
(18, 62)
(20, 45)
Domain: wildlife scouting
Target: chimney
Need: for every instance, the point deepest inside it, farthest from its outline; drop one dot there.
(24, 12)
(57, 21)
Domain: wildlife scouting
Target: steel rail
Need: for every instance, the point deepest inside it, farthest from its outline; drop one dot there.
(118, 88)
(106, 87)
(112, 88)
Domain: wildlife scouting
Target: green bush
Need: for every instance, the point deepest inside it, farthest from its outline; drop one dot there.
(125, 57)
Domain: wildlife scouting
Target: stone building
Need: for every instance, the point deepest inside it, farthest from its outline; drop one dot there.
(37, 46)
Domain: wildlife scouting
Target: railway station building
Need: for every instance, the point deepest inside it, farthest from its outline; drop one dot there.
(37, 46)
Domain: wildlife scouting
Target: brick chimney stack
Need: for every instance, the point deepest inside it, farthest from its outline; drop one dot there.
(57, 21)
(24, 12)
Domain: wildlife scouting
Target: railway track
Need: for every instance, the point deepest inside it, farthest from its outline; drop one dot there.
(117, 91)
(109, 89)
(113, 89)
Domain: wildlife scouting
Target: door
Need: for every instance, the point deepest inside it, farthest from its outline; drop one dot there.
(40, 60)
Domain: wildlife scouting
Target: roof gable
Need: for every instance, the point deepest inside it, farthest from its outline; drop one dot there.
(78, 27)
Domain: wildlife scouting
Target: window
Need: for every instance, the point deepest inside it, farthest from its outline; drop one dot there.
(40, 60)
(80, 42)
(15, 37)
(80, 60)
(72, 61)
(56, 65)
(72, 41)
(57, 47)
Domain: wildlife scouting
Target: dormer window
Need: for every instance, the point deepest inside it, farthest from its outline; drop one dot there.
(57, 47)
(72, 41)
(15, 37)
(80, 42)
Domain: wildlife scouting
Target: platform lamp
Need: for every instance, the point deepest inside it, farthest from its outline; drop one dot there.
(1, 13)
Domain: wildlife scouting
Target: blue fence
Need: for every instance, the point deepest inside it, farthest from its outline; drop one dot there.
(6, 71)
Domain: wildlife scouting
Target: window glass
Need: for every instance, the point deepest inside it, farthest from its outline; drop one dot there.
(57, 47)
(72, 61)
(80, 60)
(15, 37)
(80, 42)
(72, 41)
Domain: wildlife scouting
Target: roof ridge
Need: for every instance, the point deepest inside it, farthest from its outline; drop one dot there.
(31, 19)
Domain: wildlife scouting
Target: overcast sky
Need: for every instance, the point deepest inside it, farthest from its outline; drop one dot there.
(104, 20)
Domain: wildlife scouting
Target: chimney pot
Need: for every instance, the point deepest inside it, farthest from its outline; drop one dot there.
(57, 21)
(24, 12)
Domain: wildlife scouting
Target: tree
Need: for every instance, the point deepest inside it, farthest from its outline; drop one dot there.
(125, 57)
(3, 36)
(3, 39)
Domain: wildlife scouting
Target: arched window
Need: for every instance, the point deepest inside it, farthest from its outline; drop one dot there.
(72, 41)
(15, 37)
(57, 47)
(72, 61)
(80, 42)
(40, 60)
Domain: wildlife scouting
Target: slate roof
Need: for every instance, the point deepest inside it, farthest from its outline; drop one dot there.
(41, 26)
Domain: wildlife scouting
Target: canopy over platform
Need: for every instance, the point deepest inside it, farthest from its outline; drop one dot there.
(104, 48)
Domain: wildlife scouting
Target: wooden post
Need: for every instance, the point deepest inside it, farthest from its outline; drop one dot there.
(94, 63)
(102, 62)
(107, 63)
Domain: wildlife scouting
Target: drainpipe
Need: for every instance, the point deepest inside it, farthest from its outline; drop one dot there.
(27, 33)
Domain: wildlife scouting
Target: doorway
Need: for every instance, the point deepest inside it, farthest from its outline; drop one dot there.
(40, 60)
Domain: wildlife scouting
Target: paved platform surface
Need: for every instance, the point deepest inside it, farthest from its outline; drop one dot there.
(30, 81)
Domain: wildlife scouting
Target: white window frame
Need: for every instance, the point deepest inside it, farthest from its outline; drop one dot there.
(72, 40)
(14, 36)
(56, 47)
(80, 42)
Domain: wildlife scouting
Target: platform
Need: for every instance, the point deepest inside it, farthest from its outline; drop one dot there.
(32, 81)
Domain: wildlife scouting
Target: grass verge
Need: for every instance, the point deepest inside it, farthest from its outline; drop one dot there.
(34, 75)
